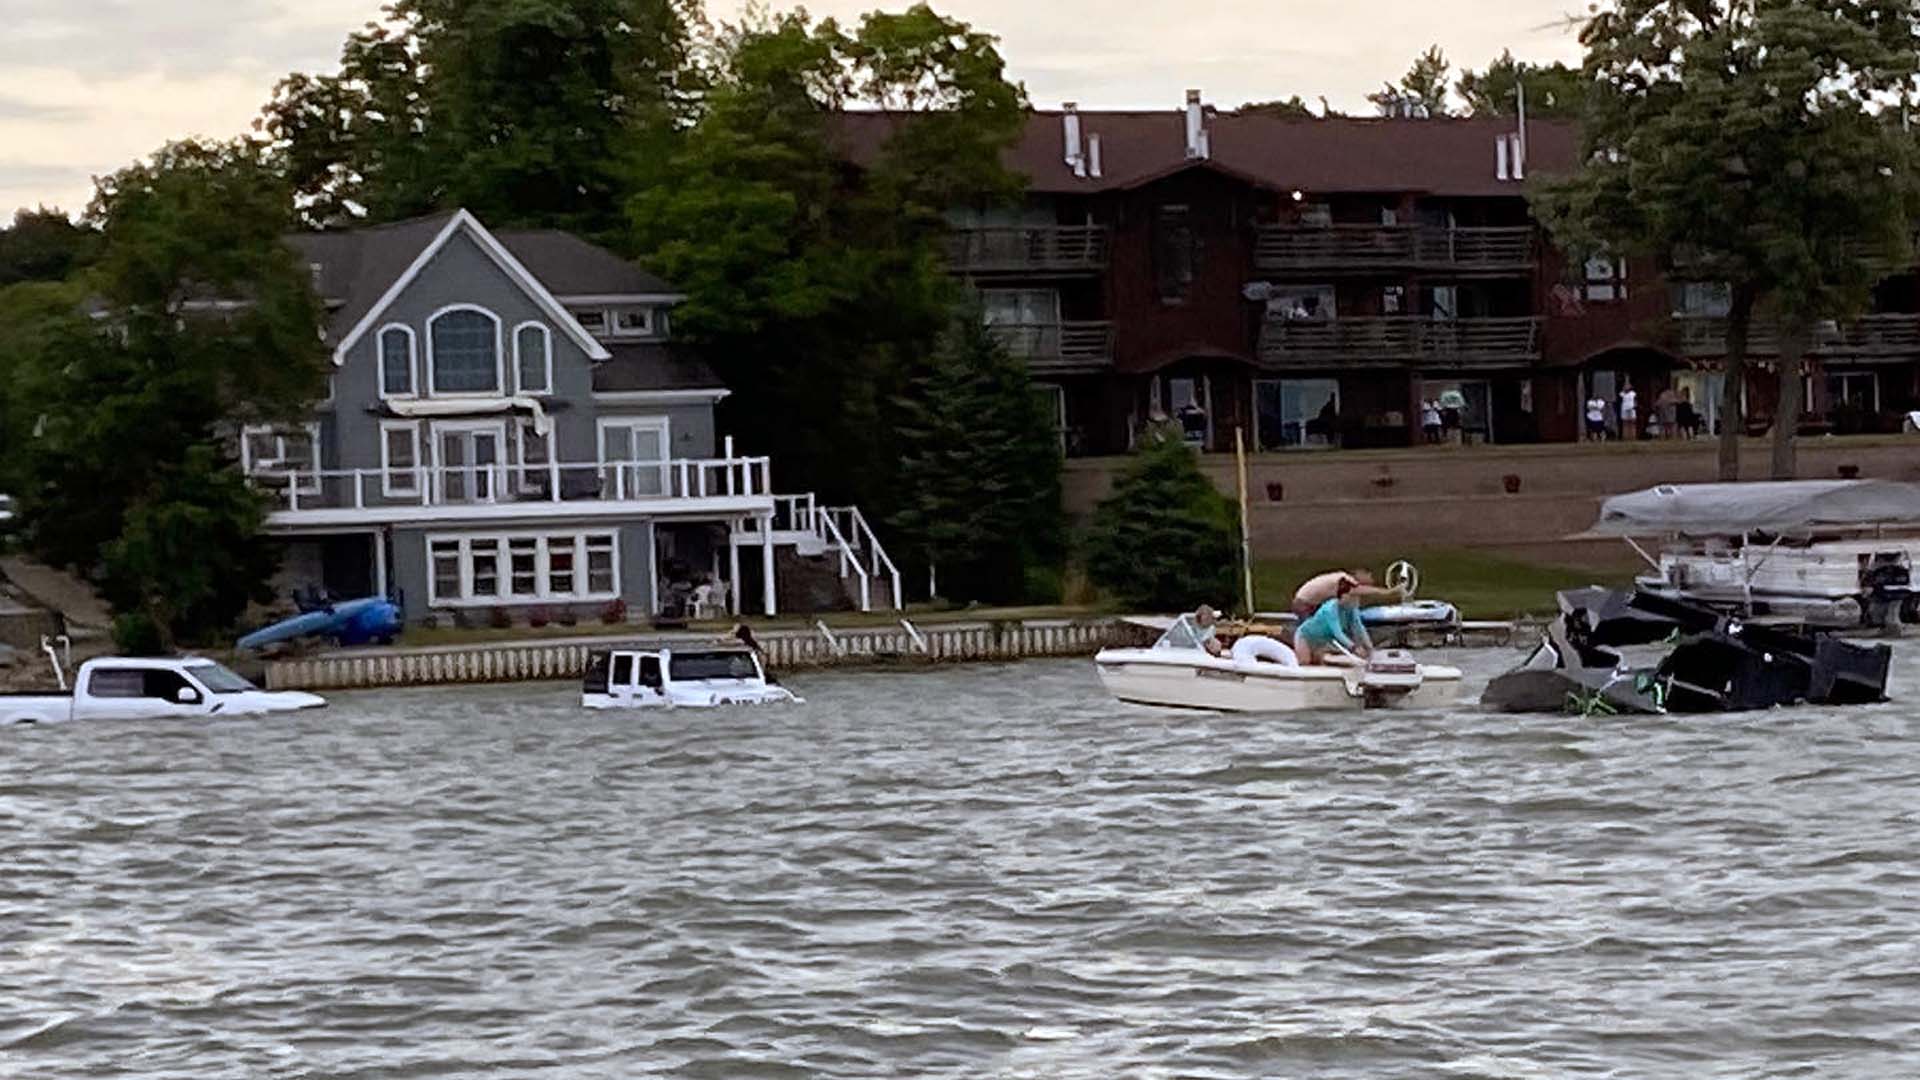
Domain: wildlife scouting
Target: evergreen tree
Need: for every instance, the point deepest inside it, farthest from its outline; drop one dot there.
(979, 471)
(1553, 90)
(124, 418)
(1166, 539)
(1421, 92)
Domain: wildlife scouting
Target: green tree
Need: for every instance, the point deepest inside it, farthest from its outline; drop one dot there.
(1293, 108)
(979, 470)
(1421, 92)
(1166, 539)
(42, 245)
(812, 287)
(1747, 143)
(202, 316)
(1553, 90)
(527, 112)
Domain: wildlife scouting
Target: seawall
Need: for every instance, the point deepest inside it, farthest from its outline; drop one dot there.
(786, 650)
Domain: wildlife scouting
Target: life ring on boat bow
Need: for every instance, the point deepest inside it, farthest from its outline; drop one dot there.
(1404, 576)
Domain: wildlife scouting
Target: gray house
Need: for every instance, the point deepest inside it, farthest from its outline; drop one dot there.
(510, 426)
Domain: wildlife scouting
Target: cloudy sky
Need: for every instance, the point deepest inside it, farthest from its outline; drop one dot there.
(88, 85)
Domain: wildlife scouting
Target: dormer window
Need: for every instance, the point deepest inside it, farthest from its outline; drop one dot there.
(633, 322)
(463, 345)
(594, 320)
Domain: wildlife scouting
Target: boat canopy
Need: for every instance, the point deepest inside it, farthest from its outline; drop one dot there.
(1790, 506)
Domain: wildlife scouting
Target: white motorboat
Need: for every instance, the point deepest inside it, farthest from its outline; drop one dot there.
(1178, 671)
(678, 676)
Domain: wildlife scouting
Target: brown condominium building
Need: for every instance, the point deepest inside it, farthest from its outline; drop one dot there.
(1319, 282)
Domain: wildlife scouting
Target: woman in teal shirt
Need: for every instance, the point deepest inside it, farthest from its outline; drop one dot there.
(1335, 622)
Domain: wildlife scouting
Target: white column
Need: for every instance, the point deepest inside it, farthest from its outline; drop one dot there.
(380, 563)
(766, 565)
(733, 566)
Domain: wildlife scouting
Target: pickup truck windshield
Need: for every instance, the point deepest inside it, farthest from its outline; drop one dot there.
(219, 680)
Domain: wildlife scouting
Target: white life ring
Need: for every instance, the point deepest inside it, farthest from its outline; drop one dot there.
(1255, 648)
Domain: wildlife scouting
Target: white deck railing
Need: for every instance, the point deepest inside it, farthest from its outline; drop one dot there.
(841, 531)
(554, 482)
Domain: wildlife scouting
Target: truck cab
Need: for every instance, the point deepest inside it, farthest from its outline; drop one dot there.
(143, 688)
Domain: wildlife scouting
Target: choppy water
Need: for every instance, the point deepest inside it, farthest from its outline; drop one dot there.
(989, 872)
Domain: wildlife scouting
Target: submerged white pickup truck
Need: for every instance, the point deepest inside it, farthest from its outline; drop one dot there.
(128, 688)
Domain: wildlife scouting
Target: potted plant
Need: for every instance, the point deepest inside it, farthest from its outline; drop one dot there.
(1511, 482)
(615, 613)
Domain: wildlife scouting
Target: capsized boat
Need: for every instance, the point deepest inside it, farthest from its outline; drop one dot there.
(1179, 672)
(678, 676)
(1716, 662)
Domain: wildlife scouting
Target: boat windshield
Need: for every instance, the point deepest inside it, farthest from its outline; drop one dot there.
(219, 679)
(686, 667)
(1183, 634)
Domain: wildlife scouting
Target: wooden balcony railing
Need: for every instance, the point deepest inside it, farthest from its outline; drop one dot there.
(1366, 248)
(1890, 336)
(1036, 250)
(1397, 340)
(1060, 347)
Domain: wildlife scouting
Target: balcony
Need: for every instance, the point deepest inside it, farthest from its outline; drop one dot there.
(494, 493)
(1364, 249)
(1885, 337)
(1058, 348)
(1028, 251)
(1398, 341)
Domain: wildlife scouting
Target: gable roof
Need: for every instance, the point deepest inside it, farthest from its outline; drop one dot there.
(1444, 157)
(570, 266)
(360, 272)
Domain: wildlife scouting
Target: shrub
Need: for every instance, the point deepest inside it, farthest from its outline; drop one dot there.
(136, 634)
(1166, 539)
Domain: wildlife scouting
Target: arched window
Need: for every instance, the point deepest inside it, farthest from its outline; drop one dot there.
(396, 361)
(465, 347)
(533, 359)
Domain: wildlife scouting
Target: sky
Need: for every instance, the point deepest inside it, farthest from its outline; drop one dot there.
(87, 86)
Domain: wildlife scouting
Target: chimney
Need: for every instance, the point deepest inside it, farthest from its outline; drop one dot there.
(1093, 155)
(1500, 158)
(1070, 128)
(1198, 146)
(1518, 151)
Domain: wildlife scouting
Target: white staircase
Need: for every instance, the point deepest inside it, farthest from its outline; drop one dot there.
(812, 531)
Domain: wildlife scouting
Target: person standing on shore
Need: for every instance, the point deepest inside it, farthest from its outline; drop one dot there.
(1629, 414)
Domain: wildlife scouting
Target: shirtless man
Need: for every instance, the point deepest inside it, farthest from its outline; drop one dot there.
(1324, 587)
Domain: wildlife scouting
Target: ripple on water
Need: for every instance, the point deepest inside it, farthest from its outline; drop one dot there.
(987, 871)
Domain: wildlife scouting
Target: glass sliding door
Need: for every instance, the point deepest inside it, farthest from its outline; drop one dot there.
(633, 457)
(1295, 413)
(469, 459)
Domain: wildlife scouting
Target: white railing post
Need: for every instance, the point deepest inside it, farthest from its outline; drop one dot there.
(620, 483)
(359, 488)
(293, 492)
(553, 480)
(686, 489)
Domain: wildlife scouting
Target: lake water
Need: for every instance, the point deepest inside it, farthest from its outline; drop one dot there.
(975, 872)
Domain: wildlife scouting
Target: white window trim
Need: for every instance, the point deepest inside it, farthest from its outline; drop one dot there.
(542, 568)
(637, 423)
(435, 468)
(499, 356)
(413, 475)
(546, 342)
(413, 361)
(464, 221)
(306, 483)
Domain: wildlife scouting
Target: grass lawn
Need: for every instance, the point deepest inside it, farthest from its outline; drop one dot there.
(1482, 585)
(920, 614)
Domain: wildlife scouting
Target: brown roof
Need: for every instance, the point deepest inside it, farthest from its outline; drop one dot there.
(1448, 157)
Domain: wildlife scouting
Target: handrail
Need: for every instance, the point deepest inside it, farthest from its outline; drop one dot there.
(863, 531)
(505, 483)
(848, 559)
(1464, 247)
(1027, 248)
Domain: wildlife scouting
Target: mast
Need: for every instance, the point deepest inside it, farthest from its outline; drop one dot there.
(1246, 531)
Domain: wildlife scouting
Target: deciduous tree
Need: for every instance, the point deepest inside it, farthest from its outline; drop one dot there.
(1553, 90)
(1747, 143)
(197, 315)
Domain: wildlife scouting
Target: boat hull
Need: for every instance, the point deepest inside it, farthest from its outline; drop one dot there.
(1140, 677)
